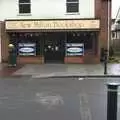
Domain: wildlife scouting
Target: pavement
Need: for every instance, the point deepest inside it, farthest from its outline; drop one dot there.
(6, 71)
(59, 70)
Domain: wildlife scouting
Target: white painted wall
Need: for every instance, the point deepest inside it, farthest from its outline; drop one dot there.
(46, 9)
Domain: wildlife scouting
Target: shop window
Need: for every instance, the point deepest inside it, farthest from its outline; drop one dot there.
(28, 39)
(24, 6)
(72, 6)
(81, 37)
(88, 44)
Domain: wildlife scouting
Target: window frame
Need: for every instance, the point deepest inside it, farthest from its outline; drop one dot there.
(72, 2)
(24, 3)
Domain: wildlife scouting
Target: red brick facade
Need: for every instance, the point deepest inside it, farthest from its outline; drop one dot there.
(101, 11)
(4, 43)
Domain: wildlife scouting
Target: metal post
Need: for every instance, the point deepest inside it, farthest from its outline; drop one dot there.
(105, 68)
(112, 102)
(105, 61)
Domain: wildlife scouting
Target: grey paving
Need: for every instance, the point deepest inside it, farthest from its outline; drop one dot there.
(49, 70)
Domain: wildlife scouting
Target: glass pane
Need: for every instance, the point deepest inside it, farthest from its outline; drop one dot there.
(72, 7)
(72, 0)
(24, 1)
(24, 8)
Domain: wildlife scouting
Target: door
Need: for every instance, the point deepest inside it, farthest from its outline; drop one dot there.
(53, 50)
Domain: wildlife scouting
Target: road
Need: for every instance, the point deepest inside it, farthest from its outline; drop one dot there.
(26, 98)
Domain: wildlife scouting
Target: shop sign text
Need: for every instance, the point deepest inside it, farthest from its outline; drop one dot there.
(53, 24)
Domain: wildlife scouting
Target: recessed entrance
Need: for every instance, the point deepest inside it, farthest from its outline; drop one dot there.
(54, 48)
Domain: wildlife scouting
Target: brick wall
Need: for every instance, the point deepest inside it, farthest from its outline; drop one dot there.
(73, 59)
(101, 11)
(29, 60)
(4, 43)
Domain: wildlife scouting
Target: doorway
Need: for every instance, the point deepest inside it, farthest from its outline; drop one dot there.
(54, 48)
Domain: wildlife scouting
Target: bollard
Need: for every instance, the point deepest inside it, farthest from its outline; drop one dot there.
(105, 66)
(12, 56)
(105, 62)
(112, 101)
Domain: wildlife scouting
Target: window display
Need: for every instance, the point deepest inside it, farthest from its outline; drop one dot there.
(27, 49)
(74, 49)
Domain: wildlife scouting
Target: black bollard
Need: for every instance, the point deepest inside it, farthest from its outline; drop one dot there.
(105, 62)
(105, 66)
(112, 102)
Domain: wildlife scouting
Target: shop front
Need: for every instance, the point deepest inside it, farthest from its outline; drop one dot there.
(41, 47)
(54, 41)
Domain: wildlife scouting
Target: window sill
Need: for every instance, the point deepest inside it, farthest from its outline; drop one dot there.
(77, 13)
(24, 14)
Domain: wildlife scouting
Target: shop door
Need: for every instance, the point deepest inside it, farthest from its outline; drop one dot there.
(54, 52)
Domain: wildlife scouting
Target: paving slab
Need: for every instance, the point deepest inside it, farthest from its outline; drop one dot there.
(49, 70)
